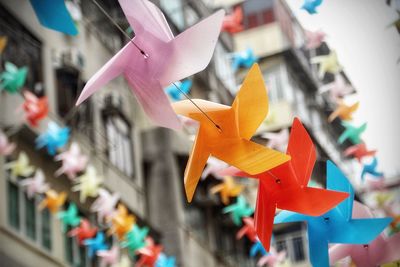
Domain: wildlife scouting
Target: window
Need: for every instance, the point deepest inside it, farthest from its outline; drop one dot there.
(273, 79)
(298, 249)
(25, 218)
(257, 13)
(223, 67)
(294, 243)
(174, 10)
(74, 253)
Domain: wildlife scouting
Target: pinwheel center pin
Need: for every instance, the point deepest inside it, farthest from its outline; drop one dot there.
(326, 219)
(366, 246)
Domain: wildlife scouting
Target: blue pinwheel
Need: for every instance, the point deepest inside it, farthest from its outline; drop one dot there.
(54, 138)
(135, 238)
(69, 217)
(337, 225)
(257, 248)
(95, 244)
(311, 5)
(352, 133)
(371, 169)
(239, 210)
(243, 59)
(53, 14)
(176, 94)
(165, 261)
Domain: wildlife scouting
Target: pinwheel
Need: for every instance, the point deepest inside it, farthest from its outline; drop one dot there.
(248, 230)
(272, 258)
(337, 225)
(36, 109)
(96, 244)
(69, 217)
(53, 14)
(239, 210)
(121, 222)
(359, 151)
(35, 184)
(344, 112)
(285, 187)
(3, 43)
(73, 162)
(380, 251)
(277, 140)
(88, 184)
(109, 257)
(314, 39)
(257, 248)
(165, 261)
(311, 5)
(6, 148)
(53, 201)
(135, 238)
(229, 138)
(243, 59)
(149, 254)
(123, 262)
(83, 231)
(227, 189)
(232, 23)
(177, 94)
(327, 63)
(104, 205)
(13, 78)
(371, 169)
(155, 58)
(55, 137)
(213, 167)
(338, 88)
(352, 133)
(20, 167)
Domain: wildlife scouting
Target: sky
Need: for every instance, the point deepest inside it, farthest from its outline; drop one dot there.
(368, 50)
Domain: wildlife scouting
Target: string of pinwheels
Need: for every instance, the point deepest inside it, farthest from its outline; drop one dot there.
(154, 59)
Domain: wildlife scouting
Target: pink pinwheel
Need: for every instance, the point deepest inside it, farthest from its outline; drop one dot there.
(248, 230)
(314, 39)
(6, 148)
(104, 205)
(35, 184)
(214, 166)
(73, 162)
(382, 250)
(109, 257)
(272, 258)
(155, 58)
(277, 141)
(338, 88)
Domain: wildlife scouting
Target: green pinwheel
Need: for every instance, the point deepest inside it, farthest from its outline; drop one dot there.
(239, 210)
(12, 79)
(69, 217)
(135, 239)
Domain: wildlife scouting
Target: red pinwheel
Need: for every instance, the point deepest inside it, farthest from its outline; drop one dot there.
(359, 151)
(83, 231)
(248, 230)
(149, 254)
(232, 23)
(36, 109)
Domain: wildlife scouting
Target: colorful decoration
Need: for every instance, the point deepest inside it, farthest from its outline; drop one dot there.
(73, 162)
(327, 63)
(154, 58)
(338, 88)
(229, 140)
(278, 140)
(344, 112)
(314, 39)
(104, 205)
(352, 133)
(337, 225)
(272, 258)
(149, 254)
(53, 14)
(239, 210)
(35, 184)
(109, 257)
(69, 217)
(165, 261)
(83, 231)
(20, 167)
(88, 184)
(243, 59)
(227, 189)
(176, 94)
(36, 109)
(285, 187)
(121, 222)
(13, 78)
(311, 5)
(232, 23)
(257, 248)
(55, 137)
(214, 166)
(248, 230)
(96, 244)
(53, 201)
(6, 148)
(359, 151)
(371, 169)
(124, 262)
(135, 238)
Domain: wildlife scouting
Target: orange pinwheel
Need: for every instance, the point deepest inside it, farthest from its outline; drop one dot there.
(53, 201)
(344, 112)
(232, 23)
(359, 151)
(35, 108)
(121, 222)
(228, 188)
(229, 139)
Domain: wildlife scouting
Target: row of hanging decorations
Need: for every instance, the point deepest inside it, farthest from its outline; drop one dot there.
(224, 133)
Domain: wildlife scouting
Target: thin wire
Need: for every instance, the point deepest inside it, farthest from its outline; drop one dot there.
(147, 56)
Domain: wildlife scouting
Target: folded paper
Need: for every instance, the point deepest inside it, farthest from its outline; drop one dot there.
(311, 6)
(53, 201)
(338, 88)
(6, 147)
(20, 167)
(149, 254)
(247, 229)
(314, 39)
(243, 59)
(352, 133)
(233, 22)
(13, 78)
(239, 210)
(54, 138)
(227, 189)
(327, 63)
(35, 184)
(359, 151)
(104, 205)
(165, 261)
(370, 169)
(135, 239)
(257, 249)
(72, 160)
(82, 232)
(96, 244)
(88, 184)
(109, 257)
(69, 217)
(121, 222)
(35, 108)
(344, 112)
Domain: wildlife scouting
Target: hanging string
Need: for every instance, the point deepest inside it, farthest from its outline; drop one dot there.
(147, 56)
